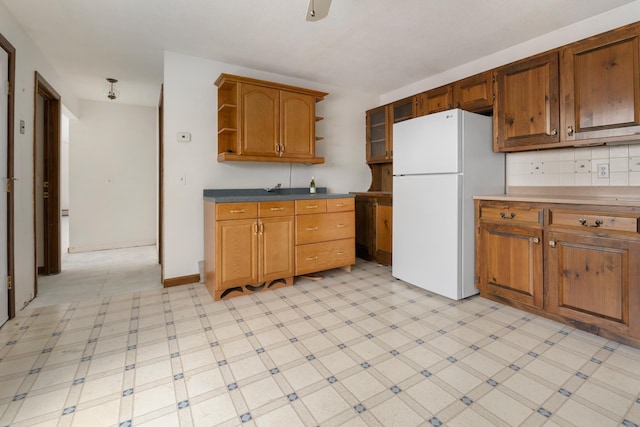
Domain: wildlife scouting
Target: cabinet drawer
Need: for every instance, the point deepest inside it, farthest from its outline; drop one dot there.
(236, 210)
(311, 206)
(284, 208)
(604, 221)
(323, 227)
(325, 255)
(341, 205)
(511, 214)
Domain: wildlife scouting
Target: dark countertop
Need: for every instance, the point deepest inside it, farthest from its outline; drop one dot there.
(261, 195)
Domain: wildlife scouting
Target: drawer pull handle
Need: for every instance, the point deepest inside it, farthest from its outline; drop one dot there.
(505, 216)
(311, 228)
(312, 258)
(596, 224)
(339, 205)
(312, 207)
(552, 243)
(237, 211)
(277, 209)
(339, 253)
(536, 240)
(341, 225)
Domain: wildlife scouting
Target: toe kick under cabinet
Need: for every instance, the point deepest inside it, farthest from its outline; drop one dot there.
(577, 263)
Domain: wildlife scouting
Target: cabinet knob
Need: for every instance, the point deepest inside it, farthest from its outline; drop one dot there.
(553, 132)
(569, 130)
(505, 216)
(553, 243)
(536, 240)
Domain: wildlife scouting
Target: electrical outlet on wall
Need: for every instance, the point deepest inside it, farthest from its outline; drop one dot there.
(603, 170)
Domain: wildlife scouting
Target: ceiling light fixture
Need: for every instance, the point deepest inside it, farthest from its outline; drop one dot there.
(110, 90)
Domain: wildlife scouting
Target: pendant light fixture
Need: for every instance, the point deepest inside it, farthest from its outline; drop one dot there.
(111, 91)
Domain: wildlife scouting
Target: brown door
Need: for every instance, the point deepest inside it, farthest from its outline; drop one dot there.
(297, 131)
(601, 86)
(527, 109)
(592, 280)
(7, 97)
(276, 246)
(260, 120)
(47, 114)
(510, 263)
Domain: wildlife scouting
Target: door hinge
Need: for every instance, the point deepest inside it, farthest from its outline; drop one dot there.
(45, 195)
(9, 283)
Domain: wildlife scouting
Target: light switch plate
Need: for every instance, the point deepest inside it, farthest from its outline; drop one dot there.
(582, 166)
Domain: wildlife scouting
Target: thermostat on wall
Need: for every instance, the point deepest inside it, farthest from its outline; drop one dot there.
(184, 137)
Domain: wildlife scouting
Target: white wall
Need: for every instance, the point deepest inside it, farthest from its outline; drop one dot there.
(28, 60)
(64, 162)
(112, 177)
(190, 100)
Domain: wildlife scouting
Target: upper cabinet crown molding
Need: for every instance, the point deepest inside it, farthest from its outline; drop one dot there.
(263, 121)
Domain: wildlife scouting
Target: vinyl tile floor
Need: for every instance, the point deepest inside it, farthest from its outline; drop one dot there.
(353, 349)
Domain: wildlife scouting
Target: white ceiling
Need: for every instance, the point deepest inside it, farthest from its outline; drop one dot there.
(373, 46)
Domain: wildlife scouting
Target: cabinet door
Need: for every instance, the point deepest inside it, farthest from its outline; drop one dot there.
(593, 281)
(383, 235)
(297, 125)
(260, 124)
(236, 253)
(601, 86)
(434, 100)
(474, 93)
(276, 248)
(509, 262)
(378, 134)
(526, 112)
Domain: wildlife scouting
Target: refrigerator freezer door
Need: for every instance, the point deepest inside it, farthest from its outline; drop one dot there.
(426, 232)
(428, 144)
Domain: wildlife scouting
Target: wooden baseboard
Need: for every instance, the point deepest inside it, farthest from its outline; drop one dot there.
(182, 280)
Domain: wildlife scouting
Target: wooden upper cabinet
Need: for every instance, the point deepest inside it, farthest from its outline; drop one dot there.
(378, 130)
(265, 121)
(298, 125)
(260, 130)
(434, 100)
(601, 86)
(474, 93)
(527, 108)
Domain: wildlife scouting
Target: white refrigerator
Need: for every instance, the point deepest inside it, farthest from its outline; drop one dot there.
(440, 161)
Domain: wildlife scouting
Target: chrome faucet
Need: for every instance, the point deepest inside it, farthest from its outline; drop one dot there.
(277, 187)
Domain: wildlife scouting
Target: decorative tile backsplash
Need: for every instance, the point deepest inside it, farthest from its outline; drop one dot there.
(616, 165)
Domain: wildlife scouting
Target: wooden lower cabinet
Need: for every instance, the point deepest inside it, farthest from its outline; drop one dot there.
(256, 246)
(324, 240)
(251, 254)
(374, 214)
(592, 282)
(510, 263)
(578, 264)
